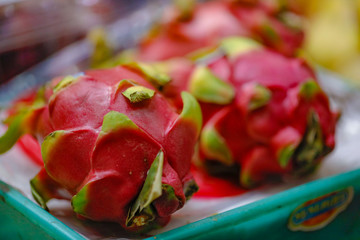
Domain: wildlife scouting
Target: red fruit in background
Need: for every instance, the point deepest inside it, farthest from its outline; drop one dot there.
(188, 28)
(263, 112)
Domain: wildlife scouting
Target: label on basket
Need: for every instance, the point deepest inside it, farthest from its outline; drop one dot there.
(319, 212)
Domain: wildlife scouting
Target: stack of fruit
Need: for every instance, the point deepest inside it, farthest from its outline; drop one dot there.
(214, 84)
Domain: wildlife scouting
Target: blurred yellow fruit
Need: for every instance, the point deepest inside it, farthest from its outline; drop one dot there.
(333, 35)
(332, 32)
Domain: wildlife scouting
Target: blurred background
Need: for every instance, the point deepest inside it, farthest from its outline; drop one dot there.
(33, 30)
(332, 35)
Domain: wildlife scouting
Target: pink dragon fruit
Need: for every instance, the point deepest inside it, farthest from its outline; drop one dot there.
(112, 144)
(262, 111)
(193, 26)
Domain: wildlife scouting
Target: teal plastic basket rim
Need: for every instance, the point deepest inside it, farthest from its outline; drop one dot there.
(58, 230)
(35, 214)
(255, 209)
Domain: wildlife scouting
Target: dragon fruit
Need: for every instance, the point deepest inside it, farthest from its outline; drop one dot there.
(192, 26)
(113, 145)
(262, 111)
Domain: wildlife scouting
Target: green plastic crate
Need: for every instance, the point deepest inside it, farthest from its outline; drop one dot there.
(264, 219)
(21, 218)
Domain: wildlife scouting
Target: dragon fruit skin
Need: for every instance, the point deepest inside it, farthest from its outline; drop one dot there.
(111, 143)
(261, 110)
(182, 33)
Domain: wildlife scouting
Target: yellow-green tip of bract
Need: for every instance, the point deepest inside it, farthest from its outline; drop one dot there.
(36, 193)
(19, 125)
(80, 200)
(285, 155)
(247, 181)
(235, 46)
(137, 94)
(114, 121)
(191, 110)
(66, 81)
(260, 97)
(22, 122)
(309, 89)
(185, 7)
(150, 191)
(101, 48)
(126, 56)
(214, 146)
(49, 142)
(207, 87)
(13, 133)
(154, 73)
(204, 53)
